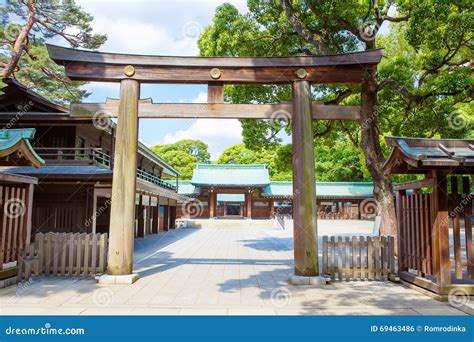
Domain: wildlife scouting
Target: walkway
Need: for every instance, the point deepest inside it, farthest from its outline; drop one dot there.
(215, 271)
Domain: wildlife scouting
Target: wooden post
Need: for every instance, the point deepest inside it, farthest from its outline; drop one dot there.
(441, 230)
(304, 186)
(156, 217)
(122, 212)
(140, 217)
(94, 211)
(248, 200)
(212, 204)
(402, 266)
(272, 208)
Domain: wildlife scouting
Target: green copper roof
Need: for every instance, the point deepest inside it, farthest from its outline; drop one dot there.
(11, 137)
(186, 188)
(230, 198)
(323, 189)
(230, 175)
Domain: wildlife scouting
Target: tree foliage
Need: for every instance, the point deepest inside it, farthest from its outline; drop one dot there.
(424, 82)
(25, 26)
(183, 155)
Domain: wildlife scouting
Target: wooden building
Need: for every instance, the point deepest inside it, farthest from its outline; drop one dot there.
(245, 191)
(74, 189)
(434, 215)
(16, 199)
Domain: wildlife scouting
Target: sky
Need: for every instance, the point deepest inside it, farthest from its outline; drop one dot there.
(162, 28)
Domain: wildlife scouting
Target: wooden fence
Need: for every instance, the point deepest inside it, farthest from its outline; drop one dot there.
(71, 254)
(14, 227)
(358, 257)
(435, 233)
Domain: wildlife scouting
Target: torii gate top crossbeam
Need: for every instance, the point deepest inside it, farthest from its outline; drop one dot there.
(110, 67)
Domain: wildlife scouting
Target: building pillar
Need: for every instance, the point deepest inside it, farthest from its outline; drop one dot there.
(140, 217)
(248, 202)
(212, 204)
(155, 227)
(272, 208)
(304, 189)
(122, 212)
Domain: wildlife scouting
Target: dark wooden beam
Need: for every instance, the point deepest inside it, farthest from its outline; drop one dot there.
(215, 92)
(109, 67)
(148, 109)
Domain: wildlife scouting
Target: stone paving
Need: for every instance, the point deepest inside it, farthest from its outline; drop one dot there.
(215, 272)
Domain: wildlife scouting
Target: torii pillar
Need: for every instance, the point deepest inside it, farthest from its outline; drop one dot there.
(304, 190)
(122, 211)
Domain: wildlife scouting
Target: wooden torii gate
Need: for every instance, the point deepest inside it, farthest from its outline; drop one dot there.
(131, 70)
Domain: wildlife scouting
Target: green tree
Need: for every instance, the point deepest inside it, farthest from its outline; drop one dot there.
(184, 155)
(24, 28)
(240, 154)
(423, 83)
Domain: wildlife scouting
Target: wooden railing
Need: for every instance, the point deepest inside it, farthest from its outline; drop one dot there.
(148, 177)
(92, 155)
(74, 155)
(433, 253)
(71, 254)
(358, 257)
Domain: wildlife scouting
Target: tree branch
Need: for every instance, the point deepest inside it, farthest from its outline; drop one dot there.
(300, 27)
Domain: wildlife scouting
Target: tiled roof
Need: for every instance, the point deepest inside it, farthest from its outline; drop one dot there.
(230, 175)
(17, 140)
(323, 189)
(418, 155)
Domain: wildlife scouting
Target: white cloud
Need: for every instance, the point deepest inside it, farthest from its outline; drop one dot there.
(217, 133)
(137, 37)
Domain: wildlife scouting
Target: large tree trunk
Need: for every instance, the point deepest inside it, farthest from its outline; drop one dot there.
(374, 159)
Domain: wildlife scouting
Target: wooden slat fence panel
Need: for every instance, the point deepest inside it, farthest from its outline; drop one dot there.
(13, 223)
(373, 258)
(69, 254)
